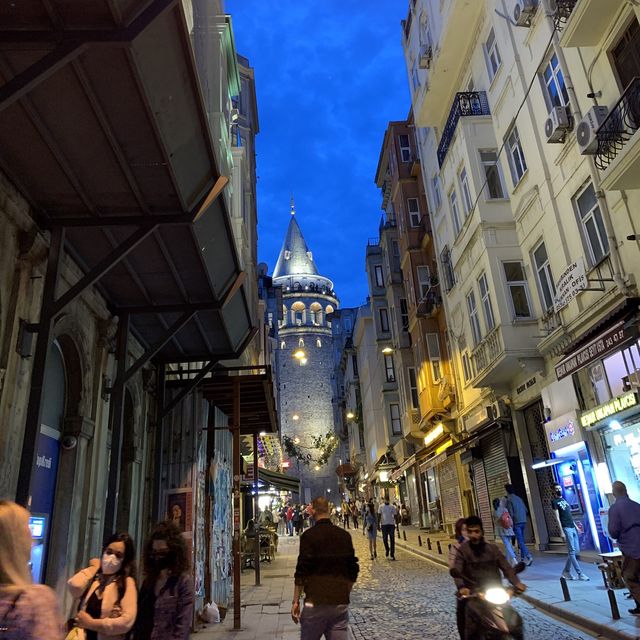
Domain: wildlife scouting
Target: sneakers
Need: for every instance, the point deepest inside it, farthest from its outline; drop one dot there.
(635, 611)
(584, 577)
(567, 576)
(529, 561)
(393, 557)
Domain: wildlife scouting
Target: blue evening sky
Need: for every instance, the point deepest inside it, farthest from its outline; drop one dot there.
(330, 75)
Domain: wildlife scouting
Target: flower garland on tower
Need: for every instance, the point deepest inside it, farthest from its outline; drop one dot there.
(325, 445)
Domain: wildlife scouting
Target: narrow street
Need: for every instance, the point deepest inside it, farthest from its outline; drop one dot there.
(412, 599)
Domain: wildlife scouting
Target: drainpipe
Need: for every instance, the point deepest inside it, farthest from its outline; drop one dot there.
(620, 278)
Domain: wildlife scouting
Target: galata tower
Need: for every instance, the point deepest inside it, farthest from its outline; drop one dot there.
(304, 361)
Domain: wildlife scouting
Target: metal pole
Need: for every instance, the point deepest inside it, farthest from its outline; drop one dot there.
(156, 508)
(116, 417)
(255, 506)
(236, 502)
(34, 407)
(565, 590)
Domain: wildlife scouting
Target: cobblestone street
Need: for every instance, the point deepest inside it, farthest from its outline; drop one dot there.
(412, 599)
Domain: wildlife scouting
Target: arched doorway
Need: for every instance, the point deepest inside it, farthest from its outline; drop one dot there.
(45, 473)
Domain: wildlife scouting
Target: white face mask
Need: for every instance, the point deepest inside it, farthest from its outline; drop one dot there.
(110, 564)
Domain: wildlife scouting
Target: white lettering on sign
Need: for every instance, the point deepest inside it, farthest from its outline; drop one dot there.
(43, 461)
(563, 432)
(608, 409)
(571, 282)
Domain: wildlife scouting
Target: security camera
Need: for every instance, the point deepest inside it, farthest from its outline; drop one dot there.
(69, 442)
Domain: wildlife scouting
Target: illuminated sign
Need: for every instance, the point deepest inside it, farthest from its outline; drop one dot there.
(433, 435)
(565, 431)
(608, 409)
(36, 526)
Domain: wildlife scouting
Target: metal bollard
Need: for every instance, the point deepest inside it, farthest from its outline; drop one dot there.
(613, 603)
(439, 548)
(565, 590)
(404, 535)
(419, 541)
(429, 544)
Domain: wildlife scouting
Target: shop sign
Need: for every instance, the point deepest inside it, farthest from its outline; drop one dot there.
(563, 431)
(594, 350)
(571, 282)
(609, 409)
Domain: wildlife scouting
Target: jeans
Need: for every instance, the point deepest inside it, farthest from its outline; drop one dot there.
(388, 533)
(508, 549)
(573, 547)
(290, 527)
(332, 620)
(518, 529)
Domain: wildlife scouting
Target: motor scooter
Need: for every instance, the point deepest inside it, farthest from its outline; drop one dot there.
(489, 614)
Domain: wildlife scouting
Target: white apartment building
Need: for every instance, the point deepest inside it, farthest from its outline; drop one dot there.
(524, 175)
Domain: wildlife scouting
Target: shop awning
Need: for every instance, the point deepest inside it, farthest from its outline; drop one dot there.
(474, 436)
(279, 480)
(104, 132)
(346, 469)
(396, 473)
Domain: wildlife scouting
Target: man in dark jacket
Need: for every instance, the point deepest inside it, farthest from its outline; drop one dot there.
(518, 511)
(326, 571)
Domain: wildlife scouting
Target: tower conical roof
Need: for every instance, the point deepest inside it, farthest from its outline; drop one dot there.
(295, 259)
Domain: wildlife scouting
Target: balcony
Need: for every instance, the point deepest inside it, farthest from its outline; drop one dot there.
(586, 22)
(465, 104)
(618, 154)
(503, 354)
(431, 301)
(451, 54)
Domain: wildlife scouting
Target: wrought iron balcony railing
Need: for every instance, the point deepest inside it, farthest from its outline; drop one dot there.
(618, 127)
(467, 103)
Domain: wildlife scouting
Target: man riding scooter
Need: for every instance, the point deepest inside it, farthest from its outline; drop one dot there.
(477, 574)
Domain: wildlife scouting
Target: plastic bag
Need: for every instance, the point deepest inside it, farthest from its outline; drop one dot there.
(211, 613)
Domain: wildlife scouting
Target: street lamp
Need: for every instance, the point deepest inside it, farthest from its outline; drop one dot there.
(350, 415)
(387, 350)
(295, 416)
(300, 354)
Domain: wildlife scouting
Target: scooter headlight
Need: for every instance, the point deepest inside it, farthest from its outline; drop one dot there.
(497, 595)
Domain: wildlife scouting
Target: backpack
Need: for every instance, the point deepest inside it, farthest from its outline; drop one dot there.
(505, 520)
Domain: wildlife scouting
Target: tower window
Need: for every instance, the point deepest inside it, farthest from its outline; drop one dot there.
(283, 345)
(301, 342)
(319, 343)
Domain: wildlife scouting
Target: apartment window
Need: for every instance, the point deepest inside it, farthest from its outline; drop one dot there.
(517, 162)
(346, 325)
(384, 319)
(455, 214)
(354, 364)
(414, 212)
(626, 54)
(485, 297)
(396, 422)
(447, 269)
(466, 367)
(433, 351)
(474, 321)
(389, 369)
(493, 55)
(379, 275)
(405, 148)
(467, 203)
(546, 285)
(591, 223)
(492, 174)
(557, 95)
(518, 289)
(437, 196)
(424, 280)
(413, 387)
(404, 314)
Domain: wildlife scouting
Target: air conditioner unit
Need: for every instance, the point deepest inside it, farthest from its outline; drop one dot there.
(586, 130)
(497, 410)
(523, 12)
(550, 7)
(426, 55)
(557, 125)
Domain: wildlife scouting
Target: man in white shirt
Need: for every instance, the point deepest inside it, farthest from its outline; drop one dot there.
(387, 518)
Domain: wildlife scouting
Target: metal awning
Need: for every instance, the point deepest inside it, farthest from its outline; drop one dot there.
(257, 404)
(279, 480)
(104, 132)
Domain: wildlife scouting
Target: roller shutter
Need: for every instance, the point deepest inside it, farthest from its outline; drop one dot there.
(482, 497)
(450, 497)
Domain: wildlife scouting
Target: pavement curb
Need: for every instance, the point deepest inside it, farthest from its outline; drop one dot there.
(585, 623)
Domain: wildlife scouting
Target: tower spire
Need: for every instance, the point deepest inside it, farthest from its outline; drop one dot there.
(293, 205)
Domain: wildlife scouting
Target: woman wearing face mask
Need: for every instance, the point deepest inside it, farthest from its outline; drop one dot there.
(107, 591)
(166, 596)
(27, 611)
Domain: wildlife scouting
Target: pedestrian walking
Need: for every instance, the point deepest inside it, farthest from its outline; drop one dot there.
(387, 515)
(165, 604)
(624, 527)
(370, 524)
(27, 611)
(354, 515)
(107, 592)
(569, 533)
(326, 571)
(290, 520)
(503, 525)
(518, 511)
(461, 536)
(364, 510)
(297, 519)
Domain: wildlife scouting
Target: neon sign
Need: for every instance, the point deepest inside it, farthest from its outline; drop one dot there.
(608, 409)
(565, 431)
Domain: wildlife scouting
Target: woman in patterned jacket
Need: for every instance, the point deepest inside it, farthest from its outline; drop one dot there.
(165, 603)
(27, 611)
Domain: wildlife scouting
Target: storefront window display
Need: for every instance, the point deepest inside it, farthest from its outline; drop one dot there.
(622, 449)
